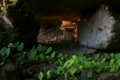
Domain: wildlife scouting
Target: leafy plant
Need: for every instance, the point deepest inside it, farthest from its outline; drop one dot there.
(5, 52)
(67, 66)
(32, 54)
(41, 76)
(109, 63)
(20, 47)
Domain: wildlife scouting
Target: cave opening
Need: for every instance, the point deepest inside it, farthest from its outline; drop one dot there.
(60, 34)
(56, 31)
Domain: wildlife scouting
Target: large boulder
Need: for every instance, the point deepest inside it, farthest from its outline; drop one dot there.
(9, 72)
(49, 31)
(100, 31)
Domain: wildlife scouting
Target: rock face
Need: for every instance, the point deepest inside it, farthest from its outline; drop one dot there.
(49, 31)
(20, 26)
(62, 9)
(53, 7)
(9, 72)
(101, 30)
(109, 76)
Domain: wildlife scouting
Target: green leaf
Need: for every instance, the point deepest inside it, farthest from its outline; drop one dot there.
(89, 74)
(10, 45)
(87, 64)
(59, 55)
(75, 58)
(112, 61)
(1, 63)
(93, 62)
(68, 63)
(41, 76)
(53, 71)
(47, 57)
(3, 51)
(30, 73)
(96, 56)
(118, 63)
(111, 55)
(62, 58)
(20, 47)
(20, 59)
(48, 74)
(31, 54)
(41, 56)
(39, 48)
(58, 72)
(89, 59)
(65, 57)
(65, 76)
(117, 56)
(106, 55)
(42, 53)
(24, 52)
(98, 70)
(60, 68)
(73, 78)
(59, 60)
(103, 61)
(52, 55)
(73, 70)
(16, 44)
(7, 52)
(44, 48)
(48, 50)
(112, 69)
(80, 67)
(97, 64)
(36, 58)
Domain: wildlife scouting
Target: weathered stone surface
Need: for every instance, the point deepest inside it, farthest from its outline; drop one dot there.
(86, 50)
(49, 31)
(109, 76)
(53, 7)
(2, 28)
(9, 72)
(3, 75)
(62, 9)
(101, 30)
(20, 26)
(84, 73)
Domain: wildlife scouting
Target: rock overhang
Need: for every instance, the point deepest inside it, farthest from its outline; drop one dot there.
(54, 7)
